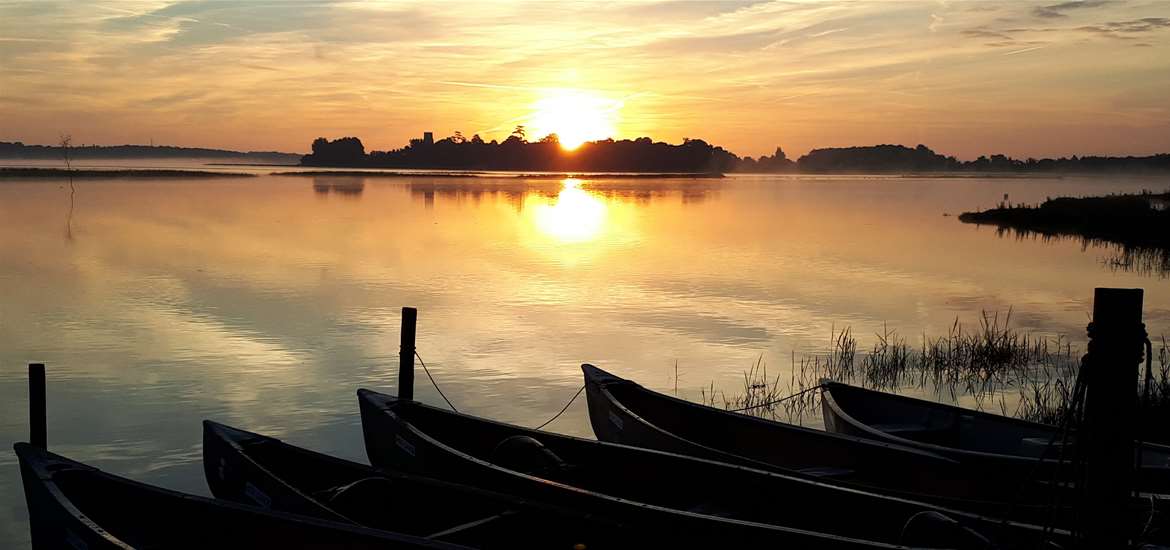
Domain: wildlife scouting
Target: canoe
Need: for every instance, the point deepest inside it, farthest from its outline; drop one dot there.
(1010, 447)
(263, 471)
(690, 501)
(622, 411)
(72, 505)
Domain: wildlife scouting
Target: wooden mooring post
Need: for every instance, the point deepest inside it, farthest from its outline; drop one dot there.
(1116, 338)
(406, 354)
(37, 416)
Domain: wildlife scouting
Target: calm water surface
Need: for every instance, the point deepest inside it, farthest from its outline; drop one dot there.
(265, 302)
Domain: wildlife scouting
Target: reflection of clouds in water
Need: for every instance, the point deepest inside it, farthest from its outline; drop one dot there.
(258, 304)
(714, 328)
(348, 186)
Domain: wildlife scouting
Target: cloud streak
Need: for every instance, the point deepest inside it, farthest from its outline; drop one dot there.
(1054, 11)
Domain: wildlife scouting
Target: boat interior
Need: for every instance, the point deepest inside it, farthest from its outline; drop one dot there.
(947, 426)
(657, 478)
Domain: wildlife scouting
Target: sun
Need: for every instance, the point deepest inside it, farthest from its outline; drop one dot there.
(575, 116)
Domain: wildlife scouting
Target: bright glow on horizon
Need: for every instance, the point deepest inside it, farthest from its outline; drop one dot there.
(575, 116)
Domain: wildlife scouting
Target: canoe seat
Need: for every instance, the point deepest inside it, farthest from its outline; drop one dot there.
(1034, 446)
(915, 431)
(526, 454)
(827, 472)
(899, 429)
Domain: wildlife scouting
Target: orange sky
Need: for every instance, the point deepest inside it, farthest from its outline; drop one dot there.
(966, 78)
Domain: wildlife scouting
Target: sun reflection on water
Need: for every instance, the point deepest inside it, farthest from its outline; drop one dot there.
(575, 217)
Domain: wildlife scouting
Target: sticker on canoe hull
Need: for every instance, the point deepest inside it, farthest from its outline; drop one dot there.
(257, 495)
(616, 420)
(75, 541)
(404, 445)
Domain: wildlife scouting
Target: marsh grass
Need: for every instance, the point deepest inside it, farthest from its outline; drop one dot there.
(991, 366)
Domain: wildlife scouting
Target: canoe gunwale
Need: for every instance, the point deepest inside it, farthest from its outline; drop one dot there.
(613, 403)
(983, 459)
(385, 404)
(38, 461)
(345, 534)
(829, 402)
(225, 434)
(986, 506)
(611, 379)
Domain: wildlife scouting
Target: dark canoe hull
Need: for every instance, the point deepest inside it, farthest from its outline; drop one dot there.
(72, 506)
(847, 459)
(687, 501)
(254, 469)
(622, 411)
(985, 443)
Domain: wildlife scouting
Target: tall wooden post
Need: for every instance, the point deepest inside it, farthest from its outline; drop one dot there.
(1115, 349)
(406, 355)
(38, 430)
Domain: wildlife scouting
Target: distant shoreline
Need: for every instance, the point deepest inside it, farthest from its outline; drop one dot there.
(36, 173)
(20, 150)
(502, 174)
(140, 173)
(268, 164)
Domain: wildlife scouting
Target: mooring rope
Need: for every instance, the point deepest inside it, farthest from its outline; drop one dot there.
(565, 408)
(782, 399)
(433, 383)
(449, 404)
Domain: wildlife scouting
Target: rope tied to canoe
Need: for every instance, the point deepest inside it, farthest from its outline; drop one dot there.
(781, 400)
(433, 383)
(565, 408)
(449, 404)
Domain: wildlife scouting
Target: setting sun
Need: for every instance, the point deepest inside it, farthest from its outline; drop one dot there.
(575, 116)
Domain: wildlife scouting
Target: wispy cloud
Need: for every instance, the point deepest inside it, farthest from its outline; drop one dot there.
(826, 33)
(34, 40)
(483, 85)
(1136, 26)
(984, 33)
(1053, 11)
(1025, 50)
(747, 75)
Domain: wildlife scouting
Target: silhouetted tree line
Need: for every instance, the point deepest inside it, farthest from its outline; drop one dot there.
(1001, 163)
(877, 158)
(899, 158)
(693, 155)
(778, 162)
(516, 153)
(20, 150)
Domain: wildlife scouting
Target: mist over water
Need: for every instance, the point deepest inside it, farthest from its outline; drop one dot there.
(265, 302)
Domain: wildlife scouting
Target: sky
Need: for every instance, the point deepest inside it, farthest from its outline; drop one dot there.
(1026, 79)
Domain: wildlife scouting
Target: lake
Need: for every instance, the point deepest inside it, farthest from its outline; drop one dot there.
(266, 302)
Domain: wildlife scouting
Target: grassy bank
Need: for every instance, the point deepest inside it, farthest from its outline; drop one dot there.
(33, 173)
(1140, 220)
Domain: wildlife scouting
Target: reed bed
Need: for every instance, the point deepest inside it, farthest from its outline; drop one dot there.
(990, 366)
